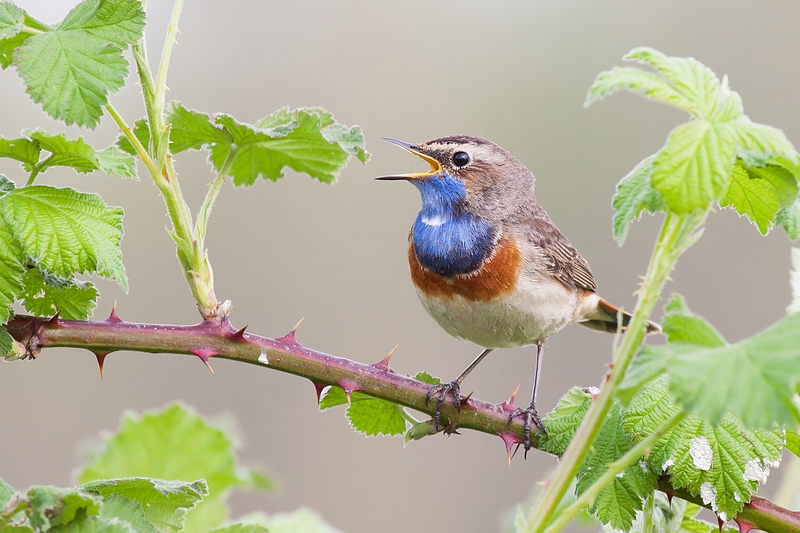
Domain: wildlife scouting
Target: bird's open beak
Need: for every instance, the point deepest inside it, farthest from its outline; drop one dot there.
(435, 166)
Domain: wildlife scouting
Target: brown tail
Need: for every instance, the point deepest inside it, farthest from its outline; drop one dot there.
(606, 316)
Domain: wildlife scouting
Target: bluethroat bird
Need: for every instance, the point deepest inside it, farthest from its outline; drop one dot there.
(488, 263)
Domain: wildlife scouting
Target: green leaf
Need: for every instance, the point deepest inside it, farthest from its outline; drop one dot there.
(427, 378)
(681, 325)
(127, 511)
(333, 396)
(696, 82)
(164, 503)
(23, 150)
(763, 139)
(67, 232)
(71, 69)
(305, 140)
(141, 130)
(115, 162)
(6, 348)
(138, 449)
(676, 516)
(51, 506)
(6, 492)
(351, 140)
(66, 152)
(789, 219)
(634, 195)
(794, 278)
(46, 295)
(760, 193)
(301, 520)
(723, 464)
(12, 20)
(241, 528)
(792, 443)
(754, 379)
(563, 421)
(94, 524)
(192, 130)
(14, 35)
(11, 267)
(617, 503)
(373, 416)
(639, 81)
(695, 165)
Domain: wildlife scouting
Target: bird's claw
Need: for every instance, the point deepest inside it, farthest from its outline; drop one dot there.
(442, 389)
(530, 415)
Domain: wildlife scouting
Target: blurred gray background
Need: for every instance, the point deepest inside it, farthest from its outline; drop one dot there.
(513, 72)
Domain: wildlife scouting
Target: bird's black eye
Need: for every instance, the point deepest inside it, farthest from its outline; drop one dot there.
(460, 159)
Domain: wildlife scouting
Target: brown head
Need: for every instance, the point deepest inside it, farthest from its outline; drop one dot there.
(496, 183)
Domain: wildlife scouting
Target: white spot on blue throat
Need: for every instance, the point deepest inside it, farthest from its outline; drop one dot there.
(447, 238)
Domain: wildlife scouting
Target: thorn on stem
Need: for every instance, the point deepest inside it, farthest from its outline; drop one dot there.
(383, 364)
(743, 525)
(289, 337)
(238, 335)
(204, 354)
(508, 405)
(54, 321)
(465, 400)
(101, 357)
(349, 387)
(113, 317)
(319, 387)
(509, 439)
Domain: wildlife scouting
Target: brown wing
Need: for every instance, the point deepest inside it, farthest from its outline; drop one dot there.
(561, 258)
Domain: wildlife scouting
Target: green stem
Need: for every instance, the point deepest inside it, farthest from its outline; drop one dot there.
(208, 203)
(677, 234)
(166, 53)
(126, 130)
(649, 505)
(588, 496)
(191, 253)
(407, 417)
(35, 171)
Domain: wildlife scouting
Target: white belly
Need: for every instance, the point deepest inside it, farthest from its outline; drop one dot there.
(535, 310)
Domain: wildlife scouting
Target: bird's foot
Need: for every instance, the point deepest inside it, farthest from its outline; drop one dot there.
(442, 389)
(529, 415)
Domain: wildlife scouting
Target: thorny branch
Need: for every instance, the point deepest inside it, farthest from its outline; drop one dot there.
(219, 339)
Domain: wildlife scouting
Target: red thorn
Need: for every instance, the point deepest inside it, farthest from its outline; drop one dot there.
(289, 337)
(204, 354)
(508, 405)
(743, 525)
(113, 317)
(721, 523)
(465, 400)
(53, 322)
(509, 439)
(383, 364)
(319, 388)
(349, 387)
(669, 499)
(238, 335)
(101, 357)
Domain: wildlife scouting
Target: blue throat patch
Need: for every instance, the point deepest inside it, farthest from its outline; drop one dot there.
(448, 240)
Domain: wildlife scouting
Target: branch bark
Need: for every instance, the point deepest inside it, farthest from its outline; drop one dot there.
(219, 339)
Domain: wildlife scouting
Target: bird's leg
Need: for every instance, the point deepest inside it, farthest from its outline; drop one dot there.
(531, 415)
(455, 386)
